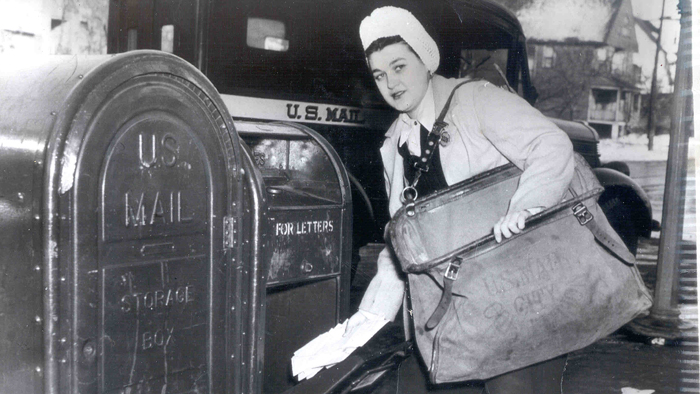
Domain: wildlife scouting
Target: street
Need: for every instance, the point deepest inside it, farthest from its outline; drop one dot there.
(650, 175)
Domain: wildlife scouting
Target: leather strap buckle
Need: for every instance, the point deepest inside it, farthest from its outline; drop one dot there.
(422, 167)
(582, 214)
(438, 127)
(408, 195)
(452, 270)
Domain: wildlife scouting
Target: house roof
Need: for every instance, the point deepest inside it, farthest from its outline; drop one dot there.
(586, 21)
(648, 27)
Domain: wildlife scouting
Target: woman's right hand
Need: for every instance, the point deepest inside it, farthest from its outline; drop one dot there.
(512, 223)
(355, 321)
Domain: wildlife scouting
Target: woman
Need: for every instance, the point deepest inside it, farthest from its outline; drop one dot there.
(488, 127)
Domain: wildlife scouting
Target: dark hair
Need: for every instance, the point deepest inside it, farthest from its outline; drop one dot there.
(383, 42)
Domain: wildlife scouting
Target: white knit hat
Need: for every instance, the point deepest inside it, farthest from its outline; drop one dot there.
(393, 21)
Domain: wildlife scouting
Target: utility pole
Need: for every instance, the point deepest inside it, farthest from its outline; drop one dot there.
(663, 320)
(651, 122)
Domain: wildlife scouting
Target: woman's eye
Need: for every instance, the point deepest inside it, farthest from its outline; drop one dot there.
(399, 68)
(378, 77)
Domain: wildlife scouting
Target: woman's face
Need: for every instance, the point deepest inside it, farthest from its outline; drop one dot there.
(401, 76)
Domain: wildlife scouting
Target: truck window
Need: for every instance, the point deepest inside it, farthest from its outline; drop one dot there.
(482, 63)
(274, 50)
(267, 34)
(167, 38)
(132, 40)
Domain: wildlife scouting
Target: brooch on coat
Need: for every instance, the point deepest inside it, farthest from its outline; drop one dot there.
(439, 128)
(445, 138)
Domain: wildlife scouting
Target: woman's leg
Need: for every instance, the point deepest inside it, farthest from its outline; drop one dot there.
(541, 378)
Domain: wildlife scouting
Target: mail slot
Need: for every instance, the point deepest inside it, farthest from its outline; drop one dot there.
(121, 222)
(309, 233)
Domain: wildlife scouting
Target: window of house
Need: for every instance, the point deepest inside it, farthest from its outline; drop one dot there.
(603, 104)
(602, 54)
(604, 97)
(625, 28)
(637, 71)
(548, 57)
(619, 62)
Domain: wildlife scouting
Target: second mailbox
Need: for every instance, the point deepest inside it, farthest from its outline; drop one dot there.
(309, 230)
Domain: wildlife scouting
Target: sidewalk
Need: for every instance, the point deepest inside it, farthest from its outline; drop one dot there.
(619, 360)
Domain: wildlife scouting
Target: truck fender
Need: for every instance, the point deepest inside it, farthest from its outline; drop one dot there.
(623, 188)
(363, 195)
(619, 166)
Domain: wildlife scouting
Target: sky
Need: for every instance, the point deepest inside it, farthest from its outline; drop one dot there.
(651, 10)
(20, 15)
(586, 20)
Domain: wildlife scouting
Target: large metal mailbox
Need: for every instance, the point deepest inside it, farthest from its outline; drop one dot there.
(309, 239)
(121, 222)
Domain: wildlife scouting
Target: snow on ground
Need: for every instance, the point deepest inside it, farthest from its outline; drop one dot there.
(633, 147)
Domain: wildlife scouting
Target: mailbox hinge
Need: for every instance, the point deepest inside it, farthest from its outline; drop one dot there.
(229, 232)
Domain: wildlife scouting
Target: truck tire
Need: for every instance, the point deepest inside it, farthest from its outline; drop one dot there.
(620, 217)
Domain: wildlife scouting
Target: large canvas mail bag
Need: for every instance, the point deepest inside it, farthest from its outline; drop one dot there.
(482, 308)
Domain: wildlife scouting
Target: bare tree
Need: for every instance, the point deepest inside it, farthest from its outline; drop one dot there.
(564, 87)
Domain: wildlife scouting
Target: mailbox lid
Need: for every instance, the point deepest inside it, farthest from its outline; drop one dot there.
(308, 196)
(299, 167)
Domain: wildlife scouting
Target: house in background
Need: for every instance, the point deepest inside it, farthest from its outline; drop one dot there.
(53, 27)
(581, 55)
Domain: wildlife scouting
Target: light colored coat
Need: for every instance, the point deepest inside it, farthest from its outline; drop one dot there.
(488, 127)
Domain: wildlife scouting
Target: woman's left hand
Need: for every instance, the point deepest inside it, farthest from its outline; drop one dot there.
(512, 223)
